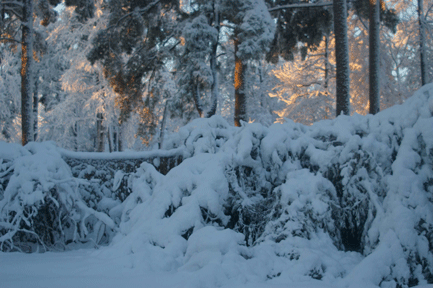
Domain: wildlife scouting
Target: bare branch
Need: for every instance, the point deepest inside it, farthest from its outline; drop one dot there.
(10, 39)
(13, 11)
(12, 3)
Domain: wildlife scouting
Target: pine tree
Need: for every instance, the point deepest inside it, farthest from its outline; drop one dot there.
(26, 72)
(374, 42)
(253, 31)
(127, 59)
(297, 23)
(197, 62)
(422, 36)
(342, 57)
(375, 11)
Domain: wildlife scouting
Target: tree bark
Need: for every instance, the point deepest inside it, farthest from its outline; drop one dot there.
(342, 57)
(162, 129)
(99, 133)
(422, 43)
(27, 73)
(197, 99)
(240, 98)
(119, 138)
(35, 108)
(326, 63)
(110, 142)
(374, 52)
(213, 65)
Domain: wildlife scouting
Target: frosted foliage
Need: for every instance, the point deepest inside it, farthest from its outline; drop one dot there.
(10, 106)
(345, 201)
(307, 86)
(257, 31)
(198, 35)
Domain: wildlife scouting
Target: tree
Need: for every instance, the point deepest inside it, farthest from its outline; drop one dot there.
(76, 96)
(201, 43)
(130, 63)
(342, 57)
(26, 72)
(253, 31)
(422, 43)
(194, 73)
(304, 23)
(375, 11)
(307, 86)
(24, 12)
(374, 46)
(9, 93)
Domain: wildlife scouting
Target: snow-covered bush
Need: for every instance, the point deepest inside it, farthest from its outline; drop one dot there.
(41, 203)
(362, 183)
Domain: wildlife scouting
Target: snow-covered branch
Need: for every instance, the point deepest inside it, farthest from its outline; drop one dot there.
(300, 5)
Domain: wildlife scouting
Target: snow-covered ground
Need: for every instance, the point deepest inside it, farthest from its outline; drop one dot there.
(88, 268)
(344, 203)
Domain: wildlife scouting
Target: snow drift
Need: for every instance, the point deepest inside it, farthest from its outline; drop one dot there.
(345, 201)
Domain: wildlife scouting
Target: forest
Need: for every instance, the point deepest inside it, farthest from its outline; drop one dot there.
(105, 76)
(217, 143)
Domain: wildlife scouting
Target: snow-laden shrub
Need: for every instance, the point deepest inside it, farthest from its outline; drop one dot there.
(41, 204)
(360, 183)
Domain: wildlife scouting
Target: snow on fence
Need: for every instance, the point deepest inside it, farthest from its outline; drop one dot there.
(113, 169)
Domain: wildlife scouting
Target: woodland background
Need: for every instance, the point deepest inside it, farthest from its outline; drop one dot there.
(116, 75)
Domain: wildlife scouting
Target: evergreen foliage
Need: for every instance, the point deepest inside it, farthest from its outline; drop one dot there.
(294, 25)
(125, 57)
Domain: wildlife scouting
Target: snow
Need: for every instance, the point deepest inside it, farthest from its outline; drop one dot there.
(341, 203)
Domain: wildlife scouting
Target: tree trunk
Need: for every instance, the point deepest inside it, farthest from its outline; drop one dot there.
(35, 108)
(374, 63)
(240, 98)
(342, 57)
(110, 143)
(99, 133)
(161, 132)
(213, 65)
(422, 43)
(115, 139)
(326, 63)
(119, 138)
(197, 99)
(26, 72)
